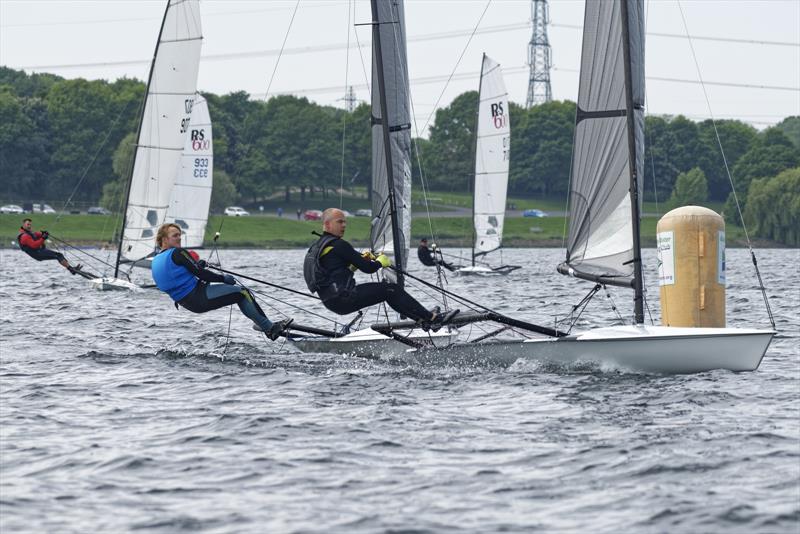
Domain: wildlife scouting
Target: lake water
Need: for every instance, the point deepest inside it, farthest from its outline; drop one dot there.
(119, 413)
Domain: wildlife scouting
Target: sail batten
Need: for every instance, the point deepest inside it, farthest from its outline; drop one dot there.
(164, 126)
(600, 243)
(492, 145)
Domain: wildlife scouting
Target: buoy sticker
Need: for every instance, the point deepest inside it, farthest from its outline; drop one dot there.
(666, 258)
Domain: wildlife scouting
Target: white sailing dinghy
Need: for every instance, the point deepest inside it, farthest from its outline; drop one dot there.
(391, 184)
(492, 151)
(191, 196)
(603, 243)
(163, 128)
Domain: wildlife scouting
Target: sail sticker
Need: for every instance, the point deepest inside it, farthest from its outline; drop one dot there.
(666, 258)
(721, 257)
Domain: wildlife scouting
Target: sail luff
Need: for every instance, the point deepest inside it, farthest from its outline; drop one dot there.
(391, 134)
(475, 156)
(638, 298)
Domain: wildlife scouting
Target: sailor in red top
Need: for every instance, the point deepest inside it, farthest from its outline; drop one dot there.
(33, 244)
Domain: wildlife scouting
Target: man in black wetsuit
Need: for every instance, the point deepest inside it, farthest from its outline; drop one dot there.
(33, 244)
(428, 257)
(329, 267)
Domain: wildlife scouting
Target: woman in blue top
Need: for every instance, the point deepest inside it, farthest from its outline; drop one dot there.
(189, 284)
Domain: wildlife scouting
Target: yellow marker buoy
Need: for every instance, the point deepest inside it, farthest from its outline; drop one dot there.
(691, 267)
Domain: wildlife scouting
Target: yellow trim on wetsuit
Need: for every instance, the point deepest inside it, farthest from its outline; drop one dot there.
(326, 250)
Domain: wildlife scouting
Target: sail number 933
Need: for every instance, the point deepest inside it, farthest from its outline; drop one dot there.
(200, 167)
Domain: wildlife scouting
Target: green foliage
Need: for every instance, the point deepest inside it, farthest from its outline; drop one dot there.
(736, 138)
(773, 207)
(56, 134)
(450, 155)
(772, 153)
(691, 188)
(541, 149)
(790, 126)
(24, 146)
(223, 193)
(27, 85)
(289, 142)
(114, 190)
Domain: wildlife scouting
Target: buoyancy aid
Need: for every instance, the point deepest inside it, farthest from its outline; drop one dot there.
(32, 235)
(327, 283)
(175, 280)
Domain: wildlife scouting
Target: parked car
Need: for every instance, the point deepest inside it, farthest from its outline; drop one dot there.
(236, 211)
(363, 213)
(534, 213)
(312, 215)
(43, 208)
(97, 210)
(11, 208)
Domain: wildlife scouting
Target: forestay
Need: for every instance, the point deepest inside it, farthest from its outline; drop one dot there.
(491, 158)
(600, 243)
(191, 196)
(165, 123)
(392, 30)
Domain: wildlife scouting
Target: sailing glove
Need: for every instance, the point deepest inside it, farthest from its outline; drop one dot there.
(384, 260)
(201, 264)
(228, 279)
(45, 234)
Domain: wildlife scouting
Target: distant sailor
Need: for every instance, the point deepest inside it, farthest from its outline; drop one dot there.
(329, 266)
(189, 283)
(33, 244)
(427, 256)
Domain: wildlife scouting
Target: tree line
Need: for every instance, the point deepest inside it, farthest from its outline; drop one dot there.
(61, 136)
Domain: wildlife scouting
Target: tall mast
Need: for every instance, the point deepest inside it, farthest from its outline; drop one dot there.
(387, 148)
(138, 134)
(475, 155)
(638, 299)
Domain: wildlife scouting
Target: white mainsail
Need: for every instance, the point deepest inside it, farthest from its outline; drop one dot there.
(164, 126)
(391, 27)
(191, 196)
(600, 245)
(491, 158)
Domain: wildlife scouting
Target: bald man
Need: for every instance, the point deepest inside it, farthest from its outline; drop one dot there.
(329, 267)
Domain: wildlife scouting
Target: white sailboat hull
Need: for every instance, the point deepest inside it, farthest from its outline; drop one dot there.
(479, 270)
(108, 283)
(650, 349)
(372, 344)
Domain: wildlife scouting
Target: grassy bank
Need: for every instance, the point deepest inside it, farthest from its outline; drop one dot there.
(287, 232)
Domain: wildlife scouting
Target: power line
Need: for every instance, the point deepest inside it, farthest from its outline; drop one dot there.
(511, 71)
(419, 38)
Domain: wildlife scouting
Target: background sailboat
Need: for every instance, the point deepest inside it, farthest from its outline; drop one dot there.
(163, 128)
(191, 196)
(492, 152)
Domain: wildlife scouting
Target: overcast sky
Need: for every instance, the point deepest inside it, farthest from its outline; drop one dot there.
(747, 51)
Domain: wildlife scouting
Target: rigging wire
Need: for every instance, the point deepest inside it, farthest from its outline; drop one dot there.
(347, 112)
(78, 250)
(276, 286)
(464, 51)
(89, 166)
(278, 60)
(727, 170)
